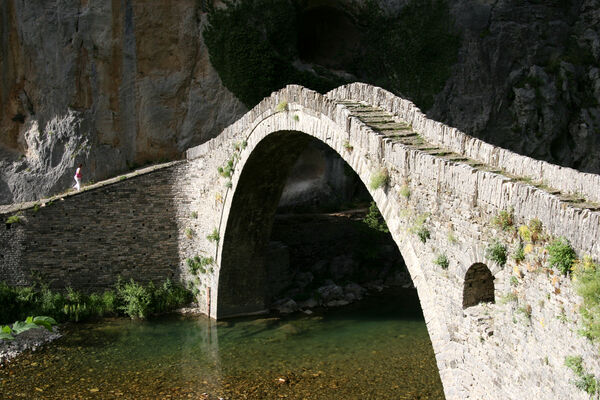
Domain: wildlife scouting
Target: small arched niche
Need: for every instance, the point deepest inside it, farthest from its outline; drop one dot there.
(479, 286)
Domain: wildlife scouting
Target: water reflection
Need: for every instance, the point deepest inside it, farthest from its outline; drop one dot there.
(365, 351)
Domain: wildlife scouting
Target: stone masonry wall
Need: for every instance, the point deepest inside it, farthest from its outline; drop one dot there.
(125, 228)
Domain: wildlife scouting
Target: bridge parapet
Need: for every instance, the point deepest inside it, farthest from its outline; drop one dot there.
(567, 180)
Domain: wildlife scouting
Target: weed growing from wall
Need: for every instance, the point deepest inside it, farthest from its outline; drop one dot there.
(519, 252)
(200, 264)
(504, 220)
(374, 219)
(586, 277)
(379, 179)
(442, 261)
(496, 251)
(214, 236)
(561, 255)
(585, 381)
(423, 234)
(14, 219)
(282, 106)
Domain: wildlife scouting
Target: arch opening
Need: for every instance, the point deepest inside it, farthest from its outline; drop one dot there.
(297, 233)
(478, 286)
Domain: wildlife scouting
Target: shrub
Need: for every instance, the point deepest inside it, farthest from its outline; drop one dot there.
(282, 106)
(514, 281)
(18, 302)
(199, 263)
(189, 233)
(374, 219)
(135, 299)
(194, 214)
(586, 381)
(586, 276)
(535, 226)
(109, 302)
(228, 169)
(379, 179)
(442, 261)
(13, 219)
(519, 253)
(169, 296)
(496, 252)
(405, 191)
(214, 236)
(525, 233)
(561, 255)
(423, 234)
(348, 146)
(296, 118)
(505, 219)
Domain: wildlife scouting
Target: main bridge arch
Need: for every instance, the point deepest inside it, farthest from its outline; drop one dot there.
(441, 182)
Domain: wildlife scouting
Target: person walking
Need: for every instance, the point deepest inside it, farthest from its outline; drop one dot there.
(78, 178)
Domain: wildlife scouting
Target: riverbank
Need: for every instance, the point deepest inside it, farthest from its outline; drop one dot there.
(29, 340)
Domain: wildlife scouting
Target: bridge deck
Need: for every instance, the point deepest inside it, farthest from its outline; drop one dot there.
(389, 125)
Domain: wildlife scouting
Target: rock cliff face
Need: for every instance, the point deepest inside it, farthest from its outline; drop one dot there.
(527, 78)
(110, 84)
(115, 84)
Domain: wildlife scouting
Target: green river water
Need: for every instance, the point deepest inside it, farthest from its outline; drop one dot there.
(375, 349)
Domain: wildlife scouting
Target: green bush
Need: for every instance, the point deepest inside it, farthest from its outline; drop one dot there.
(379, 179)
(586, 381)
(405, 191)
(587, 283)
(496, 252)
(214, 236)
(504, 220)
(374, 219)
(13, 219)
(519, 253)
(199, 263)
(442, 261)
(16, 303)
(169, 296)
(135, 299)
(423, 234)
(282, 106)
(561, 255)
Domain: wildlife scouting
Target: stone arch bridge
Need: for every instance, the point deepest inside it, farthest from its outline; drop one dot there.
(437, 180)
